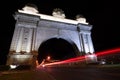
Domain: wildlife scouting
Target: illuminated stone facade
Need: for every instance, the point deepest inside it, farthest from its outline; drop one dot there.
(32, 28)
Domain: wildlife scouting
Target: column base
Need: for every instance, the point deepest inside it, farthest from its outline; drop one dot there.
(21, 59)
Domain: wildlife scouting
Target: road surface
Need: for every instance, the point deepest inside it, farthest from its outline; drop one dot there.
(83, 73)
(64, 73)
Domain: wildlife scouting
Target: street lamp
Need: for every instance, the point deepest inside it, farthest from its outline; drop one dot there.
(48, 58)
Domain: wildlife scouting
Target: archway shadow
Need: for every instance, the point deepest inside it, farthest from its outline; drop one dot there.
(58, 49)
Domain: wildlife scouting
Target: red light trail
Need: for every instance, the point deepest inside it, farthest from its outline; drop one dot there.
(110, 51)
(82, 58)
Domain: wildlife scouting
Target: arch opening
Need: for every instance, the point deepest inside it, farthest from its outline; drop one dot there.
(57, 49)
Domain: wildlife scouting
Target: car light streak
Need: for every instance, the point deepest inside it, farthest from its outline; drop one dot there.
(106, 52)
(82, 58)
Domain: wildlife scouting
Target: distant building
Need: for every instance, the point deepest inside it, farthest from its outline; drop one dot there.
(33, 28)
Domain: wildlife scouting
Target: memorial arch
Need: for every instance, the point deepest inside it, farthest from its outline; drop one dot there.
(32, 29)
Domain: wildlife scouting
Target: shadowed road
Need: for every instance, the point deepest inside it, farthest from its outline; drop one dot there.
(64, 73)
(83, 73)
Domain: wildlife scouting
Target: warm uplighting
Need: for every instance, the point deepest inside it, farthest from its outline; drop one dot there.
(13, 66)
(37, 63)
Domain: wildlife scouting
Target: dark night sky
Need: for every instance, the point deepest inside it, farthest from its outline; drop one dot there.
(102, 14)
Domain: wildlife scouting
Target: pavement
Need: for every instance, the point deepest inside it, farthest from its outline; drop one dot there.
(84, 72)
(25, 75)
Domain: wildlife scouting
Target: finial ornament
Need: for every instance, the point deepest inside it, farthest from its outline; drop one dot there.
(57, 12)
(30, 8)
(80, 18)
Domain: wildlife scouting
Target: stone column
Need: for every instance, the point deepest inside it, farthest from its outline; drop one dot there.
(81, 42)
(85, 42)
(28, 46)
(15, 39)
(33, 39)
(18, 47)
(91, 49)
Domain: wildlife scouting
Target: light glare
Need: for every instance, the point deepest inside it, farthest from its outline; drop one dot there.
(13, 66)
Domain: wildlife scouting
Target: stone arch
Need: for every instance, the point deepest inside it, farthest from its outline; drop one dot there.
(62, 48)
